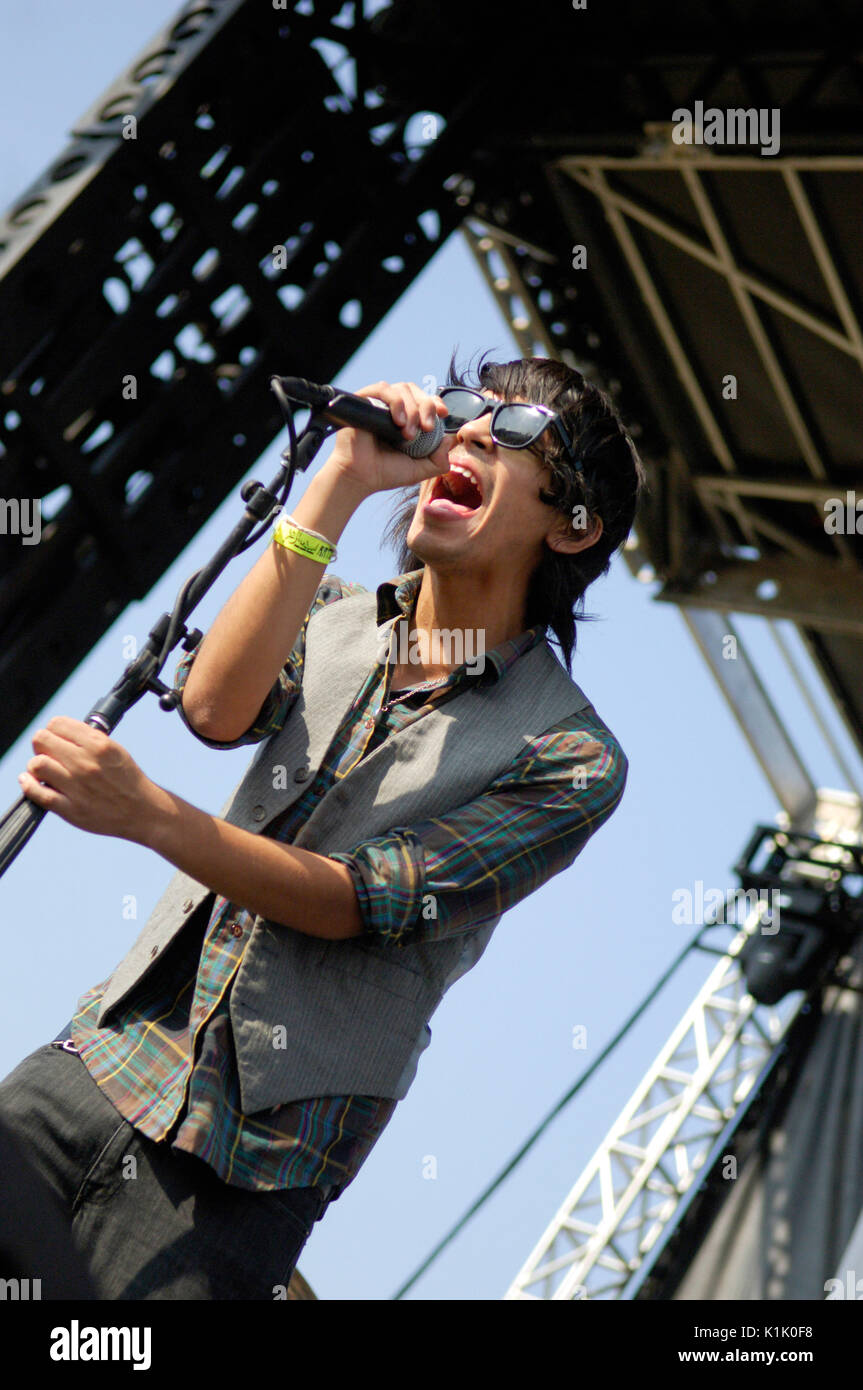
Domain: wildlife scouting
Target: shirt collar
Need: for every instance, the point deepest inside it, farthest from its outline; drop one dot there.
(396, 598)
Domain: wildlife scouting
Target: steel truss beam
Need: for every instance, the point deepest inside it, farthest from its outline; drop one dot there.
(629, 1195)
(620, 210)
(719, 530)
(831, 600)
(755, 712)
(199, 234)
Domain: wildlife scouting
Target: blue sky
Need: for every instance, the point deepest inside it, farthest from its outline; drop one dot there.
(582, 951)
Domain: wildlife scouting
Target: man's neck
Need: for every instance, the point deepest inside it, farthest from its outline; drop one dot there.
(492, 613)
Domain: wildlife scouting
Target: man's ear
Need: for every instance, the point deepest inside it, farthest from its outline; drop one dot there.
(567, 537)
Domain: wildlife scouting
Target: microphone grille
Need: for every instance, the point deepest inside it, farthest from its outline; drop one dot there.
(425, 442)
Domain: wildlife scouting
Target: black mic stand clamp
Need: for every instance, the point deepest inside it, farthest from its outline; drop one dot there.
(141, 674)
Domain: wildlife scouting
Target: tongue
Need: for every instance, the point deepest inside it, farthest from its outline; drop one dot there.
(447, 507)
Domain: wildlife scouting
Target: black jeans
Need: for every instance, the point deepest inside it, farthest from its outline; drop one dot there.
(151, 1223)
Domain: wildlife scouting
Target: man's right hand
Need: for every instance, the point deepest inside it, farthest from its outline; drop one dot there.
(244, 651)
(375, 467)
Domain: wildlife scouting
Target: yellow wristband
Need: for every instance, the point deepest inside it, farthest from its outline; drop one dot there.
(305, 543)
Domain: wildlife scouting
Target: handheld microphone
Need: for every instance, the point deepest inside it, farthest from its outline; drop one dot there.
(343, 408)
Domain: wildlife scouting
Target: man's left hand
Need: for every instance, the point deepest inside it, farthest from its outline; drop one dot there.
(89, 780)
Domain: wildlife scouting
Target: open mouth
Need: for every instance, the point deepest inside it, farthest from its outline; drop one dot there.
(456, 491)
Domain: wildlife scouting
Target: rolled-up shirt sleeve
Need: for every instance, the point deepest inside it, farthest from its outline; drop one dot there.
(453, 873)
(277, 704)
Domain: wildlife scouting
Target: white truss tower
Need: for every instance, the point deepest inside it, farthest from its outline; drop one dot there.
(630, 1190)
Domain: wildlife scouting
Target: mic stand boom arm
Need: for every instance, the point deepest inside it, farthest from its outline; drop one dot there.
(142, 673)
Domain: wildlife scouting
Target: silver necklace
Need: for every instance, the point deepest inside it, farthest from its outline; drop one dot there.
(414, 690)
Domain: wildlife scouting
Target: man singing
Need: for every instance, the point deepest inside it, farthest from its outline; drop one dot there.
(231, 1076)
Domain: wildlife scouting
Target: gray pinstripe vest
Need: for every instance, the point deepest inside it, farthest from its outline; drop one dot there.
(355, 1012)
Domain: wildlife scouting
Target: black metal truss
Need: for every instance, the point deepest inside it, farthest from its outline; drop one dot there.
(705, 261)
(229, 209)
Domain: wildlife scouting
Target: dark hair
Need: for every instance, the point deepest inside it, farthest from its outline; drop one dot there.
(610, 485)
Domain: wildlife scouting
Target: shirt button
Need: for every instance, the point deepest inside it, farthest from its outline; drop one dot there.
(258, 813)
(302, 773)
(236, 929)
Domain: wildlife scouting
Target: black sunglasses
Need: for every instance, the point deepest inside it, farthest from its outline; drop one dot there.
(513, 425)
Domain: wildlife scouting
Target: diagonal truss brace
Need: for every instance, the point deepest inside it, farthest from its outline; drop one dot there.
(700, 1077)
(621, 209)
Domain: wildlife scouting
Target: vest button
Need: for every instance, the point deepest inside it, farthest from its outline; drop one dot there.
(188, 905)
(258, 813)
(302, 773)
(154, 952)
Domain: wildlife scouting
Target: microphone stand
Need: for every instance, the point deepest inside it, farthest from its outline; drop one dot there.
(142, 673)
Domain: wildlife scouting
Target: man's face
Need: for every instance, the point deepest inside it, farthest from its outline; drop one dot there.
(496, 524)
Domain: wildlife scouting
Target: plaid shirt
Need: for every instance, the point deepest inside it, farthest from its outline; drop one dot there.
(167, 1059)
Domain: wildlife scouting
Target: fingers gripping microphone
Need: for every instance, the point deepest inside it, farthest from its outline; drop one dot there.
(356, 412)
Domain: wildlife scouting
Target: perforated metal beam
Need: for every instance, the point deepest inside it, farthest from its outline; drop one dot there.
(242, 201)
